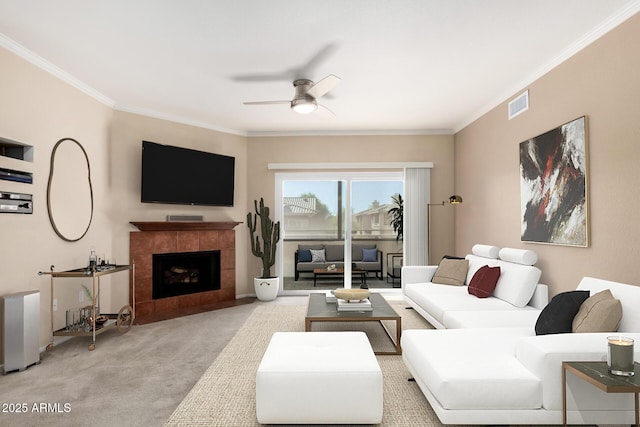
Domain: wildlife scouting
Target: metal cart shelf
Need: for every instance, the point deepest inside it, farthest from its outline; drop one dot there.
(122, 320)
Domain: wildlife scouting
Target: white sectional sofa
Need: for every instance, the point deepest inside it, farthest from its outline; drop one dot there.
(516, 300)
(503, 373)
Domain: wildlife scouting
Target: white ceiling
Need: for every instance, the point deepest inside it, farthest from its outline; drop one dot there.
(406, 66)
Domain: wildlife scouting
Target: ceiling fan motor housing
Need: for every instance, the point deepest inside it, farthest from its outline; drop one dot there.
(303, 102)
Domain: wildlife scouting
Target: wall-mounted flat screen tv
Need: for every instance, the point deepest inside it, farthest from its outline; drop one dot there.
(187, 177)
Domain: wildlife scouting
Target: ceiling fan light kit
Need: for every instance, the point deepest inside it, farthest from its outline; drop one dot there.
(304, 106)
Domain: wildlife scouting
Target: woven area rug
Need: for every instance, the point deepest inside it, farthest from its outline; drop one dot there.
(225, 395)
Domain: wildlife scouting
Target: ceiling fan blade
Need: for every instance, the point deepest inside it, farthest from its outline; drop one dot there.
(266, 102)
(261, 77)
(308, 69)
(323, 111)
(324, 86)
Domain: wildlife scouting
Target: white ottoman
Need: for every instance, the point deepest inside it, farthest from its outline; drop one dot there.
(319, 378)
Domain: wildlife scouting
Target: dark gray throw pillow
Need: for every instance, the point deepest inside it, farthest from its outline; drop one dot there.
(557, 316)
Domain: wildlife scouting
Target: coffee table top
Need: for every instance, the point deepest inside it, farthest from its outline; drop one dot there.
(319, 308)
(336, 271)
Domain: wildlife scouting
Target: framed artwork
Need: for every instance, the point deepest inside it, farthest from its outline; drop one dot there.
(553, 186)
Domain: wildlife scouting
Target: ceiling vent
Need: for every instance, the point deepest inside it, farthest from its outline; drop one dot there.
(519, 105)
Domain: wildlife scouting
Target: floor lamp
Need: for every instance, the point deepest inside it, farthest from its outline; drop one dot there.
(454, 200)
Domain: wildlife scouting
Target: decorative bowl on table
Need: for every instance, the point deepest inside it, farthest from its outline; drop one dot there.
(352, 294)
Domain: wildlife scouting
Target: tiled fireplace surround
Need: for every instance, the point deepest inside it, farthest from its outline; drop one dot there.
(175, 237)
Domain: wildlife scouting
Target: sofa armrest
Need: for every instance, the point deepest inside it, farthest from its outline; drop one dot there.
(417, 274)
(540, 297)
(543, 356)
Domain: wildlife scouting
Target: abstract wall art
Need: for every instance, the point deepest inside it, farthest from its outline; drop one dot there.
(553, 186)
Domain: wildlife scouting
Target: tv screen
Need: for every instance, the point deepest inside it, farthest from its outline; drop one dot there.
(184, 176)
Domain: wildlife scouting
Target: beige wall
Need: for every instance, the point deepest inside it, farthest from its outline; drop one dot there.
(127, 133)
(321, 149)
(38, 109)
(602, 83)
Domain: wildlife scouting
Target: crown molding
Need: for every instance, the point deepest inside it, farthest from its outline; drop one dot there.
(47, 66)
(176, 119)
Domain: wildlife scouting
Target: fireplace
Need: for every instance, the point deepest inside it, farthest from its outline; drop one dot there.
(180, 239)
(185, 273)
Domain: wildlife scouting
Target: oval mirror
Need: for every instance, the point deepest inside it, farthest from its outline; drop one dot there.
(69, 190)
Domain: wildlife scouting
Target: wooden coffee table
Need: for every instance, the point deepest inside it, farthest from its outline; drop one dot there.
(340, 273)
(319, 310)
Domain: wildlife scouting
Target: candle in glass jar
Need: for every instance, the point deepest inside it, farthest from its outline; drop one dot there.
(620, 355)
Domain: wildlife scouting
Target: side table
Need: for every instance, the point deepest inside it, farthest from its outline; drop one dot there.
(597, 374)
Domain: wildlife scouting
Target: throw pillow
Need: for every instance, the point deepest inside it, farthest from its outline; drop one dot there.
(484, 281)
(557, 316)
(599, 313)
(304, 255)
(451, 272)
(369, 255)
(452, 257)
(317, 255)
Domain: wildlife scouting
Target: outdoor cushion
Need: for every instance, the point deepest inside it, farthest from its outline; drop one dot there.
(304, 255)
(599, 313)
(451, 272)
(334, 253)
(557, 316)
(317, 255)
(369, 255)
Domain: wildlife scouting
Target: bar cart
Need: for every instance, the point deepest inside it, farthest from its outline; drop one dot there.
(97, 324)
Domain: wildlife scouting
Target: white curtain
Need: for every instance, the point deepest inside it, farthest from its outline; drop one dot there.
(415, 225)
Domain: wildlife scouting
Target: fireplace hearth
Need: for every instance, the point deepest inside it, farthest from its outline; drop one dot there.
(185, 273)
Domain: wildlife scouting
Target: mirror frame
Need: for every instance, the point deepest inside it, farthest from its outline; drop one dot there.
(51, 170)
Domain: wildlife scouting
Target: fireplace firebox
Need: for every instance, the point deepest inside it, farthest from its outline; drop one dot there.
(185, 273)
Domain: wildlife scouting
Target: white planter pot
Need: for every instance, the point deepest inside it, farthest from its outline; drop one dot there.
(266, 289)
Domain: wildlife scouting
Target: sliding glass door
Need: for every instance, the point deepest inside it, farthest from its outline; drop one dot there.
(336, 220)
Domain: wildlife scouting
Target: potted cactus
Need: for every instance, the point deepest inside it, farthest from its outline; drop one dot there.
(266, 286)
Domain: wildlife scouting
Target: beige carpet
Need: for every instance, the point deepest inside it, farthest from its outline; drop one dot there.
(225, 395)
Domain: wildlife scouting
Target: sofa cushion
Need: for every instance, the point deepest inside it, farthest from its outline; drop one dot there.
(484, 281)
(599, 313)
(357, 248)
(475, 262)
(517, 283)
(514, 318)
(519, 256)
(464, 372)
(486, 251)
(557, 316)
(628, 295)
(451, 272)
(369, 255)
(334, 253)
(304, 255)
(317, 255)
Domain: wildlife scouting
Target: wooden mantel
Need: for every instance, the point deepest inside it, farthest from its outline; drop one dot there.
(183, 225)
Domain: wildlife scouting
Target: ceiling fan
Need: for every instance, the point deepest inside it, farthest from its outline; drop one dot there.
(306, 95)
